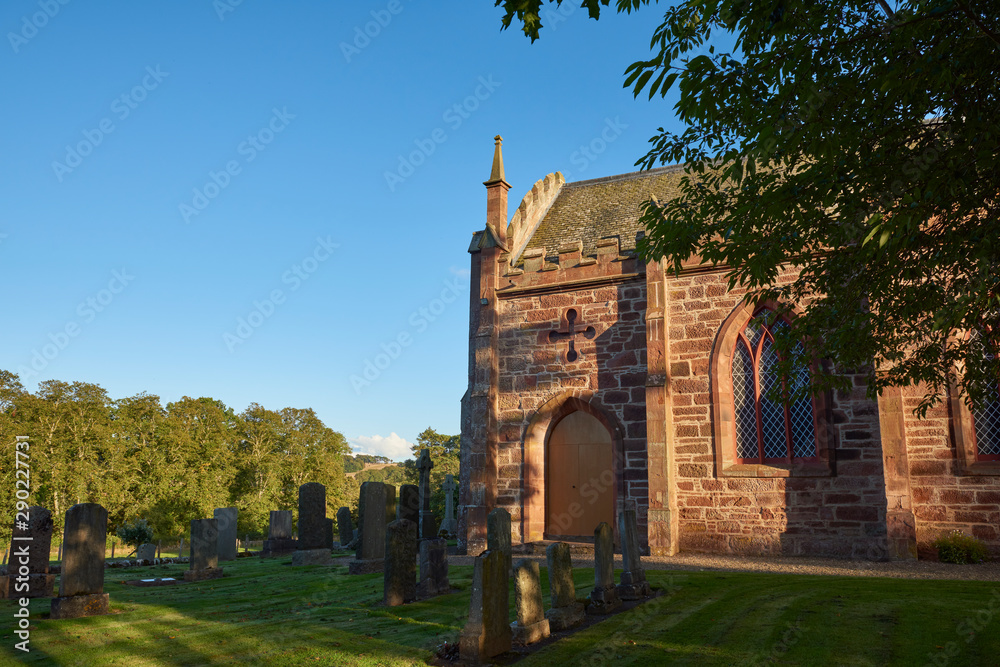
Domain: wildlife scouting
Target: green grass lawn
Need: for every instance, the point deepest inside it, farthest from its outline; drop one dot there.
(266, 612)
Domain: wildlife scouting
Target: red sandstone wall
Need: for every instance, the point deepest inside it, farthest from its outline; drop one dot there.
(842, 515)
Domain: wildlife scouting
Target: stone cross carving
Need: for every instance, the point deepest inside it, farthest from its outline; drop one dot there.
(428, 529)
(571, 333)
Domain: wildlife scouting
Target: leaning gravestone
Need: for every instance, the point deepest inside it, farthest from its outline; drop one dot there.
(345, 527)
(279, 535)
(227, 516)
(81, 580)
(204, 551)
(565, 612)
(400, 580)
(428, 526)
(604, 599)
(31, 541)
(408, 507)
(531, 625)
(498, 534)
(449, 526)
(433, 568)
(633, 585)
(487, 633)
(312, 548)
(145, 554)
(376, 506)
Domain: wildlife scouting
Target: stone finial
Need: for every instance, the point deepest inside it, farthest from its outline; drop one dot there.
(496, 173)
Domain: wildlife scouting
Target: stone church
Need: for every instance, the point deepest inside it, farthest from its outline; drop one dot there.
(595, 377)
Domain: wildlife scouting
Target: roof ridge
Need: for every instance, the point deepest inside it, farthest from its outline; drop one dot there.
(624, 177)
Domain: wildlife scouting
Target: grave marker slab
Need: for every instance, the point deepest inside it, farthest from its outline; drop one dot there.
(604, 598)
(531, 625)
(204, 561)
(428, 526)
(449, 526)
(31, 542)
(81, 580)
(226, 517)
(345, 527)
(487, 634)
(565, 611)
(279, 540)
(312, 548)
(373, 507)
(633, 584)
(408, 507)
(433, 568)
(400, 580)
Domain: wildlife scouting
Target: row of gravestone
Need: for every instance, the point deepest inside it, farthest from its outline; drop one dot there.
(487, 634)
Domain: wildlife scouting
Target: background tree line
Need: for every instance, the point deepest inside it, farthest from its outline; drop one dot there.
(170, 464)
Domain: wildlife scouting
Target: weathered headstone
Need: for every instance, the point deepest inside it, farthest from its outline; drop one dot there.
(81, 580)
(227, 516)
(312, 526)
(487, 633)
(328, 534)
(633, 584)
(531, 625)
(433, 568)
(408, 507)
(604, 598)
(373, 504)
(565, 611)
(449, 526)
(498, 534)
(145, 554)
(400, 580)
(428, 526)
(279, 535)
(31, 541)
(204, 561)
(345, 527)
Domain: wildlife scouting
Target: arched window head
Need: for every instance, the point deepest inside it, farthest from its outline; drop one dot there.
(768, 430)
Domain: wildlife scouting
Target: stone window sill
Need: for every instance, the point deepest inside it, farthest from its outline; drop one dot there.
(982, 468)
(805, 469)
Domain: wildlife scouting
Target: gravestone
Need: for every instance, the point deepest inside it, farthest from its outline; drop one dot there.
(81, 580)
(312, 526)
(374, 504)
(345, 527)
(408, 507)
(498, 534)
(433, 568)
(226, 516)
(428, 526)
(145, 554)
(328, 534)
(449, 526)
(531, 625)
(204, 561)
(487, 633)
(31, 541)
(604, 598)
(400, 579)
(565, 611)
(633, 584)
(279, 540)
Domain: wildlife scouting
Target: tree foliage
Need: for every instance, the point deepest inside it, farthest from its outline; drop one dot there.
(166, 465)
(855, 142)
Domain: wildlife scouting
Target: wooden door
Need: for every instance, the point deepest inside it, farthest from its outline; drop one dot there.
(579, 475)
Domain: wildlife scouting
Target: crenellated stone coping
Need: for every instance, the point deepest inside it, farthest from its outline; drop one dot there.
(570, 257)
(531, 211)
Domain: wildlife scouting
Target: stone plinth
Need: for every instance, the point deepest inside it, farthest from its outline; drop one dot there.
(77, 606)
(368, 566)
(275, 548)
(202, 574)
(311, 557)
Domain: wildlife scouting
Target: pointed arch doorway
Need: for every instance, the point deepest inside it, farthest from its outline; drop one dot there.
(579, 479)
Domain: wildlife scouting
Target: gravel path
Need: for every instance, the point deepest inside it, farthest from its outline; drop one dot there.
(909, 569)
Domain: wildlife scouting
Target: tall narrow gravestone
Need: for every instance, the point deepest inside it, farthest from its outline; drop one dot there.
(31, 541)
(374, 502)
(565, 611)
(328, 533)
(604, 598)
(345, 527)
(531, 625)
(204, 551)
(312, 548)
(226, 516)
(428, 526)
(400, 580)
(487, 633)
(449, 526)
(408, 507)
(81, 581)
(433, 568)
(498, 534)
(279, 535)
(633, 585)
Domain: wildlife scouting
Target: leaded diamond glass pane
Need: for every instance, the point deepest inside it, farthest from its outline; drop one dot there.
(986, 419)
(800, 412)
(772, 415)
(754, 330)
(743, 399)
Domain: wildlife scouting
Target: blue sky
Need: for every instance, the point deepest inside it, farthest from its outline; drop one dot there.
(253, 201)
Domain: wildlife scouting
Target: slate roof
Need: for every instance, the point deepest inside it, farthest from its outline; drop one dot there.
(603, 208)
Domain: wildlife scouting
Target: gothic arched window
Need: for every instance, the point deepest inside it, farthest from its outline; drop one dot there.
(766, 430)
(986, 415)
